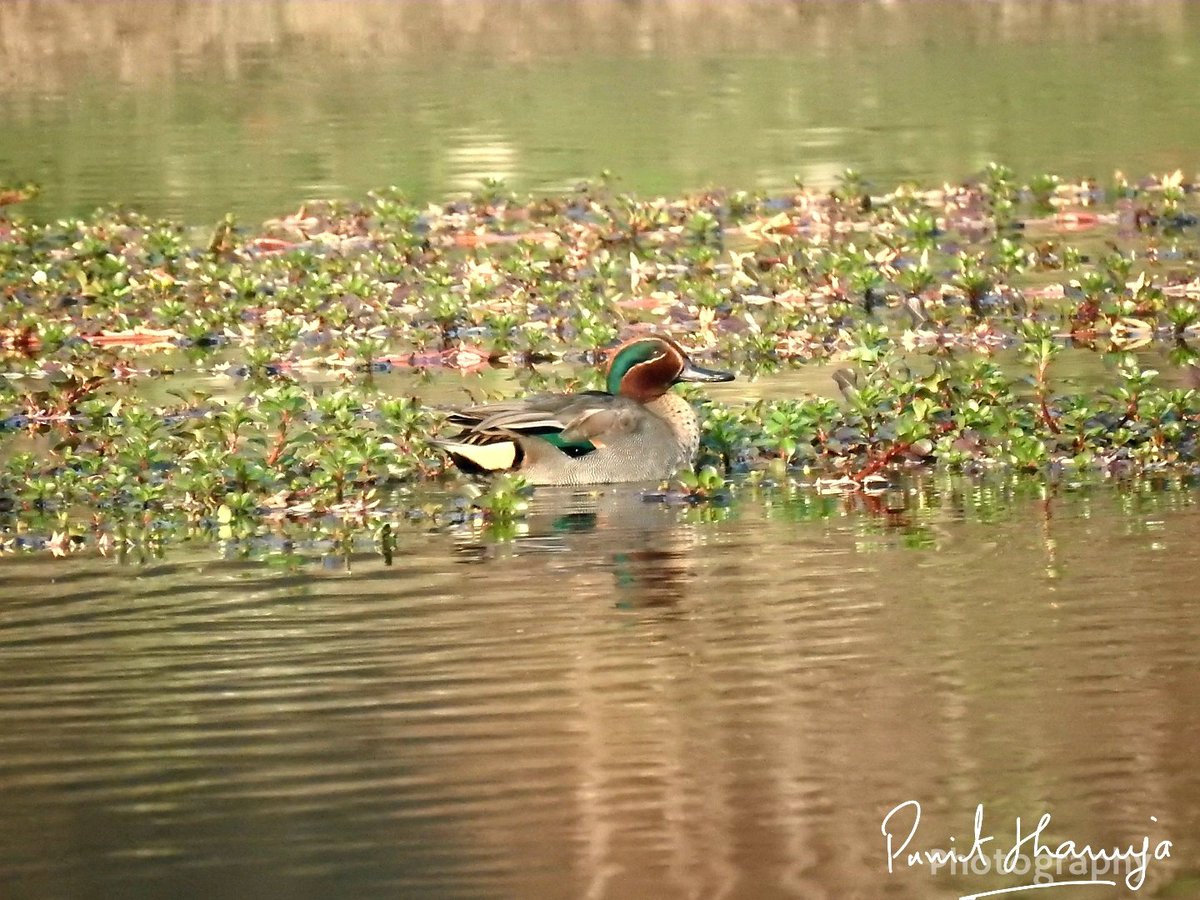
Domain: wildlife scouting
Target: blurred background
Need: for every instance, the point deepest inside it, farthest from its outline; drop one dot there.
(193, 108)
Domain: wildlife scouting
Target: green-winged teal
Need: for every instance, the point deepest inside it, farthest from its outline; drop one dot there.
(636, 430)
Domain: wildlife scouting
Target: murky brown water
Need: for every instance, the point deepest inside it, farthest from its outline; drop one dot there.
(629, 700)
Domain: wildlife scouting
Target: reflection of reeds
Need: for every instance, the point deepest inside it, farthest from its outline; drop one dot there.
(49, 43)
(196, 108)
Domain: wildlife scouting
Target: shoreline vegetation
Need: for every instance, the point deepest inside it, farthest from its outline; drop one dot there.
(942, 315)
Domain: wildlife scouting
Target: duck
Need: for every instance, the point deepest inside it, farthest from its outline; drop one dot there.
(637, 429)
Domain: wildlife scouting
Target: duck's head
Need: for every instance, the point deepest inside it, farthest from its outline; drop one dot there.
(644, 368)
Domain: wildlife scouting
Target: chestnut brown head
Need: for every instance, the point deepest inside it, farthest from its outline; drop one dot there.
(644, 368)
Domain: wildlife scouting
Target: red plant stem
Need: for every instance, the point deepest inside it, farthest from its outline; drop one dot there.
(1043, 408)
(882, 460)
(277, 448)
(893, 451)
(1047, 417)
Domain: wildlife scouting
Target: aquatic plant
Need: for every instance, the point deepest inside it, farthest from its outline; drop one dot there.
(950, 315)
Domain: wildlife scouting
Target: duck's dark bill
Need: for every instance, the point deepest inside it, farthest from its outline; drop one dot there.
(693, 372)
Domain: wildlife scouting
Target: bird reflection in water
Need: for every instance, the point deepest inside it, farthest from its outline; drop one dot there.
(570, 536)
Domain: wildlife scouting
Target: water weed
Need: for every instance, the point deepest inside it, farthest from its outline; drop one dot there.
(947, 317)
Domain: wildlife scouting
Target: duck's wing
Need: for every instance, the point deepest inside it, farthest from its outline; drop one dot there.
(576, 424)
(531, 415)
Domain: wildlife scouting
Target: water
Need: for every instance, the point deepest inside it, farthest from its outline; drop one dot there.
(201, 107)
(613, 698)
(627, 700)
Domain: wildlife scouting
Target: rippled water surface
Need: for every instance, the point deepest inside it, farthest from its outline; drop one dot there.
(614, 698)
(626, 700)
(198, 107)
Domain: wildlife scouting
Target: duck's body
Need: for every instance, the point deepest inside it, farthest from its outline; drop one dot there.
(637, 430)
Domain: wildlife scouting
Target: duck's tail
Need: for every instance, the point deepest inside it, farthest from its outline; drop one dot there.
(483, 454)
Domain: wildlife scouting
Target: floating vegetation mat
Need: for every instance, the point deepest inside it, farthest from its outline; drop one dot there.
(945, 319)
